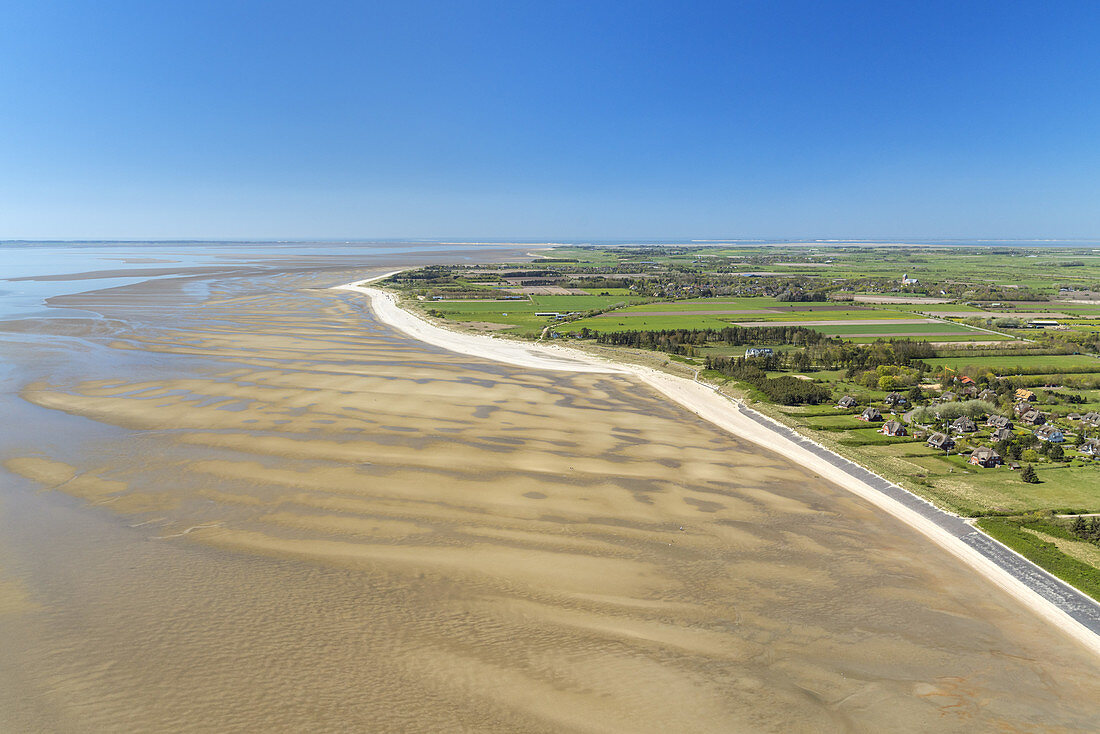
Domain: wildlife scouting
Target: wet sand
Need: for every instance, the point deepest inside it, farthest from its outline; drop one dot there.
(252, 506)
(726, 414)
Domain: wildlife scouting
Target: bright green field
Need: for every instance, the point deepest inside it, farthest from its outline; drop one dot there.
(934, 327)
(961, 338)
(1054, 363)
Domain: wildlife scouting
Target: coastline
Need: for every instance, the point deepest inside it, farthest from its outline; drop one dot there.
(739, 420)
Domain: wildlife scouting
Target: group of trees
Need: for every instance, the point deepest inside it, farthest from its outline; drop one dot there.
(890, 377)
(677, 341)
(785, 389)
(973, 409)
(1086, 529)
(1028, 447)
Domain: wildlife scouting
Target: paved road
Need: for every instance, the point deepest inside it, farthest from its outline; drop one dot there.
(1080, 607)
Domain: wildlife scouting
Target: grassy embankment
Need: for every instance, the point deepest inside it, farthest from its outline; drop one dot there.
(1051, 547)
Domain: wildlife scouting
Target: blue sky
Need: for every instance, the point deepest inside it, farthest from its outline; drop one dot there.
(554, 120)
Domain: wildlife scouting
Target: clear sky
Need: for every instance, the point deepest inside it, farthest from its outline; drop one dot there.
(554, 120)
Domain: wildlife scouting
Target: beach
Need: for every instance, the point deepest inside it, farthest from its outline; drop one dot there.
(726, 413)
(246, 500)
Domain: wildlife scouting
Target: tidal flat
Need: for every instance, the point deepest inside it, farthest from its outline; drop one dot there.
(235, 501)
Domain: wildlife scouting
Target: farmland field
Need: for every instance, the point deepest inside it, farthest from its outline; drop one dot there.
(1054, 363)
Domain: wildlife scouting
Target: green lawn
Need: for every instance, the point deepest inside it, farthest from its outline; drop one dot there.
(1012, 532)
(1054, 363)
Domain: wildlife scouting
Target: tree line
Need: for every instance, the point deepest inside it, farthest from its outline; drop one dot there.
(784, 389)
(677, 341)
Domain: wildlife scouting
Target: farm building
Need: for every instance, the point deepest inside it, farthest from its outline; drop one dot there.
(893, 428)
(985, 457)
(846, 402)
(1050, 433)
(941, 441)
(870, 415)
(758, 352)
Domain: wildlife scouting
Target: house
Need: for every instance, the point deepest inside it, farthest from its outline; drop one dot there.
(906, 280)
(1093, 419)
(941, 441)
(1014, 465)
(1090, 447)
(1001, 434)
(999, 421)
(895, 398)
(1033, 418)
(893, 428)
(846, 402)
(966, 380)
(962, 424)
(948, 397)
(969, 391)
(1027, 395)
(985, 457)
(988, 395)
(758, 352)
(870, 415)
(1021, 408)
(1050, 433)
(1074, 416)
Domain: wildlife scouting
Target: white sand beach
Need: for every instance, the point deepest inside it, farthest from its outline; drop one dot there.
(723, 412)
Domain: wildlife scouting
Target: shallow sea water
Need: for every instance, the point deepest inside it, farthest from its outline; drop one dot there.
(233, 501)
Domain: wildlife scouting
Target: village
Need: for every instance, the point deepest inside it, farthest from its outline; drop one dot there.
(990, 437)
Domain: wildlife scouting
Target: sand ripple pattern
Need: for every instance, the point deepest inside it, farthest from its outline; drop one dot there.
(335, 528)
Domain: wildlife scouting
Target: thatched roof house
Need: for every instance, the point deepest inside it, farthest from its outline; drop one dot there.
(893, 428)
(870, 415)
(1050, 433)
(962, 424)
(941, 441)
(985, 457)
(1090, 447)
(895, 398)
(1033, 418)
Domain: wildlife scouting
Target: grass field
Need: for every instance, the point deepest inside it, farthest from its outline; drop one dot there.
(1042, 549)
(1054, 363)
(930, 328)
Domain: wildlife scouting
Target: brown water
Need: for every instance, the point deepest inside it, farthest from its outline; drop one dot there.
(250, 507)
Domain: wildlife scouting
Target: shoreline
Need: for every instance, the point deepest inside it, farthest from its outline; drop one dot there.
(967, 543)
